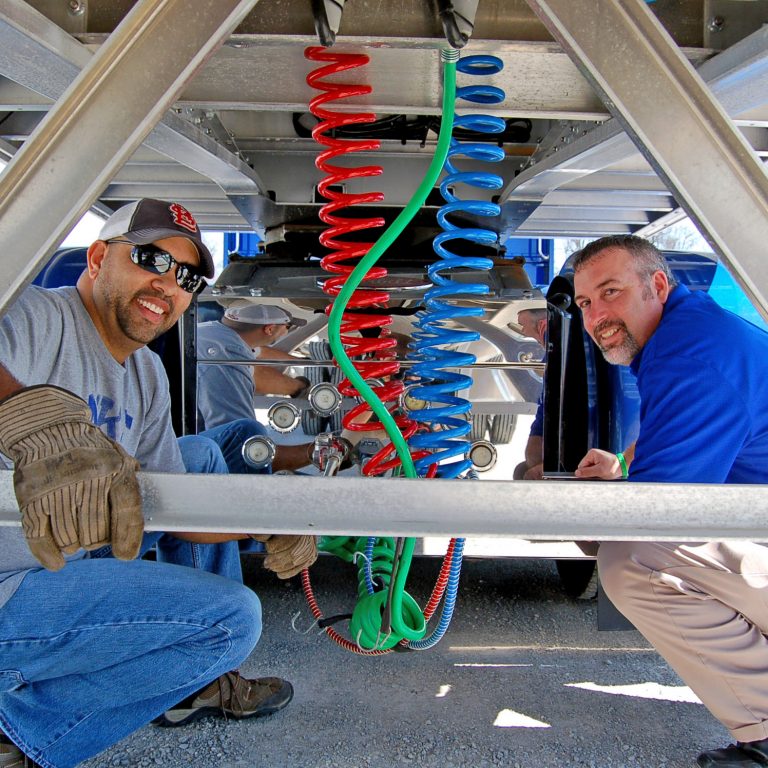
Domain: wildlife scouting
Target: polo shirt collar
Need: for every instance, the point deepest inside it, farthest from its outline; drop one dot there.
(676, 296)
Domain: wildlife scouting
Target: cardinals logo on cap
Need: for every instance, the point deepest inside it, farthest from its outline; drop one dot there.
(183, 217)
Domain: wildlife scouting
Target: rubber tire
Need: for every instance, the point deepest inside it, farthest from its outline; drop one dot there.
(335, 420)
(578, 578)
(502, 428)
(481, 422)
(311, 423)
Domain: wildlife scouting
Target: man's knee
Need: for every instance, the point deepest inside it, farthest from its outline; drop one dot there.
(230, 611)
(248, 428)
(247, 608)
(616, 564)
(201, 455)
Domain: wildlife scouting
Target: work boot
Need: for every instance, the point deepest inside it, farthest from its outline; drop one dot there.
(231, 695)
(742, 754)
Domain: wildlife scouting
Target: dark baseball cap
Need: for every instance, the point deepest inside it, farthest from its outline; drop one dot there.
(148, 220)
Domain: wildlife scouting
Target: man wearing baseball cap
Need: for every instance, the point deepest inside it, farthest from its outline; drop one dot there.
(148, 220)
(225, 393)
(245, 332)
(84, 404)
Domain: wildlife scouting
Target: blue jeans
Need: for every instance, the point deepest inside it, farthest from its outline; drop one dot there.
(93, 652)
(215, 451)
(230, 438)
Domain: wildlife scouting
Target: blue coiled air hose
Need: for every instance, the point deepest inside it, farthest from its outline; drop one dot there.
(447, 437)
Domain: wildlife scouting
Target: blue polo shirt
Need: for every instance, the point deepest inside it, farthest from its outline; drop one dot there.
(703, 383)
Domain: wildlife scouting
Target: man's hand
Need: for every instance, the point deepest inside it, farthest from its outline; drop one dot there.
(288, 555)
(304, 386)
(76, 488)
(329, 444)
(534, 473)
(599, 464)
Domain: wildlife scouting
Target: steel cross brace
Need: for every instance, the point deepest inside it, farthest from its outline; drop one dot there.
(107, 111)
(676, 122)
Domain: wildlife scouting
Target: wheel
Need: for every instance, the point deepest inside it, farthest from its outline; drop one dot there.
(321, 350)
(311, 423)
(314, 373)
(480, 424)
(579, 578)
(502, 428)
(335, 377)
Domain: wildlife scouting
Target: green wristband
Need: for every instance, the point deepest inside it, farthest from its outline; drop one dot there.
(624, 467)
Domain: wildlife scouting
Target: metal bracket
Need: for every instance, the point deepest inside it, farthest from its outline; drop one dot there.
(327, 15)
(458, 19)
(728, 21)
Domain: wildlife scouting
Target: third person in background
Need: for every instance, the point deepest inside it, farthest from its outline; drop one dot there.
(532, 323)
(245, 332)
(226, 392)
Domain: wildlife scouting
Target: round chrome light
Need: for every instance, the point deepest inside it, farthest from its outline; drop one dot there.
(258, 451)
(411, 403)
(283, 416)
(483, 455)
(324, 398)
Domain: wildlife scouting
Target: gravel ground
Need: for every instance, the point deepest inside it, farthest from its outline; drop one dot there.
(516, 647)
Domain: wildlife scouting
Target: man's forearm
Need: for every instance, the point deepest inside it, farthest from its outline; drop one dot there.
(8, 385)
(534, 450)
(292, 457)
(270, 353)
(209, 538)
(269, 381)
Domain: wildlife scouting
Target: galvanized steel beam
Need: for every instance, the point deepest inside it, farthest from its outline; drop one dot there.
(37, 55)
(356, 506)
(99, 122)
(739, 79)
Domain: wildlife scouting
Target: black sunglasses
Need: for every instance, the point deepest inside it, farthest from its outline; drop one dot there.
(155, 260)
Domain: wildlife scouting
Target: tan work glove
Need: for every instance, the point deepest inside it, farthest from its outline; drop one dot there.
(287, 555)
(76, 488)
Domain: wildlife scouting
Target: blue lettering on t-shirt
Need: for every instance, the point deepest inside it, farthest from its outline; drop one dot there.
(102, 408)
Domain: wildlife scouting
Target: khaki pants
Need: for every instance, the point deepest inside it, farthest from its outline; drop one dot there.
(704, 607)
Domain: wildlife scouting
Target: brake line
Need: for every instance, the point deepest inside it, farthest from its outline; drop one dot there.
(405, 622)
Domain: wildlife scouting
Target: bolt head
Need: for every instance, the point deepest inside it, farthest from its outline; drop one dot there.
(716, 23)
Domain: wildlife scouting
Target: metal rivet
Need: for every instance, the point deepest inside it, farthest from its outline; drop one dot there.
(716, 23)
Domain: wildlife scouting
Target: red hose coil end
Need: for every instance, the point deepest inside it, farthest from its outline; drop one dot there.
(330, 631)
(441, 583)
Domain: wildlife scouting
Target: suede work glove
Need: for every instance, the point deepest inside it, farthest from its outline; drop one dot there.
(287, 555)
(76, 488)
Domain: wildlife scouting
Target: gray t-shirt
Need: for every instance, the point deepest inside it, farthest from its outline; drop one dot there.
(48, 337)
(224, 392)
